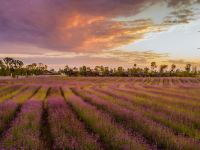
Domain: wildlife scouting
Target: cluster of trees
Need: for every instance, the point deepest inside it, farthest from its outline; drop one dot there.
(13, 67)
(153, 71)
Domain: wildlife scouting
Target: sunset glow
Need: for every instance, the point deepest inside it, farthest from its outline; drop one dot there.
(96, 32)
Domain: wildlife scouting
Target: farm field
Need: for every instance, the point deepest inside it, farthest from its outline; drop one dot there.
(97, 113)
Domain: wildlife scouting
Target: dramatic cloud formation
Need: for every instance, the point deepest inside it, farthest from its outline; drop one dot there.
(38, 27)
(68, 25)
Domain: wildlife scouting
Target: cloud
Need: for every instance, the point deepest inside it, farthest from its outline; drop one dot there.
(180, 16)
(57, 61)
(182, 3)
(80, 26)
(73, 25)
(184, 11)
(182, 62)
(112, 58)
(132, 57)
(61, 25)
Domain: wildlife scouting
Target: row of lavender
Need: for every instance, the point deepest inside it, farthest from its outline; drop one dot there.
(74, 124)
(114, 116)
(173, 108)
(66, 131)
(8, 107)
(26, 129)
(20, 129)
(176, 109)
(133, 118)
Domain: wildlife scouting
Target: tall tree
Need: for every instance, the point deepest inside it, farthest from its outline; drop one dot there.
(153, 66)
(120, 71)
(146, 71)
(2, 64)
(188, 68)
(9, 65)
(67, 70)
(173, 67)
(83, 71)
(162, 68)
(8, 61)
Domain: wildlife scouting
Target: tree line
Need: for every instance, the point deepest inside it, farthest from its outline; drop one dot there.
(13, 67)
(153, 71)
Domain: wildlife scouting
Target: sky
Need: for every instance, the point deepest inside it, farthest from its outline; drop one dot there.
(101, 32)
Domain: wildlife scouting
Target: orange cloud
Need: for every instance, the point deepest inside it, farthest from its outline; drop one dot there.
(92, 34)
(79, 26)
(77, 20)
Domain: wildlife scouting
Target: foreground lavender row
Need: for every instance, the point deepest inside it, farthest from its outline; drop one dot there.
(100, 113)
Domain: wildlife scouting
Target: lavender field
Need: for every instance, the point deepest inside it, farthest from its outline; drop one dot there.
(91, 113)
